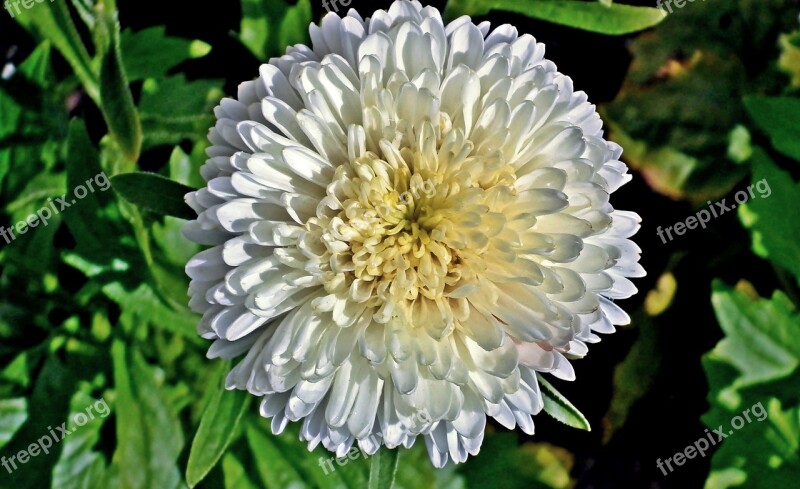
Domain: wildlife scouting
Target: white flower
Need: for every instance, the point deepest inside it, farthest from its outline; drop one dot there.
(358, 308)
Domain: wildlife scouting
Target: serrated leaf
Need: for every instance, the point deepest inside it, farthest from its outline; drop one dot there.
(218, 425)
(774, 231)
(762, 338)
(612, 19)
(779, 118)
(154, 193)
(559, 407)
(752, 375)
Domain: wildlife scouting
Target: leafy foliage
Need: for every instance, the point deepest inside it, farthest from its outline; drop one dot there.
(681, 99)
(756, 364)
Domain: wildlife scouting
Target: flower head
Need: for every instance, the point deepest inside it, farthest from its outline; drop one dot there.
(410, 217)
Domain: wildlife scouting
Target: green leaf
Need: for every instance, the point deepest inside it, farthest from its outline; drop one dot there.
(696, 63)
(154, 193)
(634, 375)
(149, 435)
(761, 337)
(284, 461)
(753, 375)
(55, 384)
(13, 413)
(774, 231)
(268, 27)
(103, 239)
(175, 97)
(614, 19)
(18, 371)
(235, 474)
(383, 468)
(150, 53)
(80, 466)
(764, 453)
(789, 62)
(779, 117)
(275, 470)
(534, 465)
(218, 427)
(145, 304)
(52, 21)
(173, 109)
(185, 168)
(116, 100)
(31, 112)
(86, 12)
(560, 408)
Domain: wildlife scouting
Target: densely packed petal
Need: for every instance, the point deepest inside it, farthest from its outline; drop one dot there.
(408, 223)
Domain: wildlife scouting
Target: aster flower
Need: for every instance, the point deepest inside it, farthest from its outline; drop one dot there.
(408, 217)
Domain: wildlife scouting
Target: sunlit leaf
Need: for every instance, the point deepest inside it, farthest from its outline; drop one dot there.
(752, 376)
(559, 407)
(80, 465)
(761, 339)
(218, 426)
(13, 413)
(613, 19)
